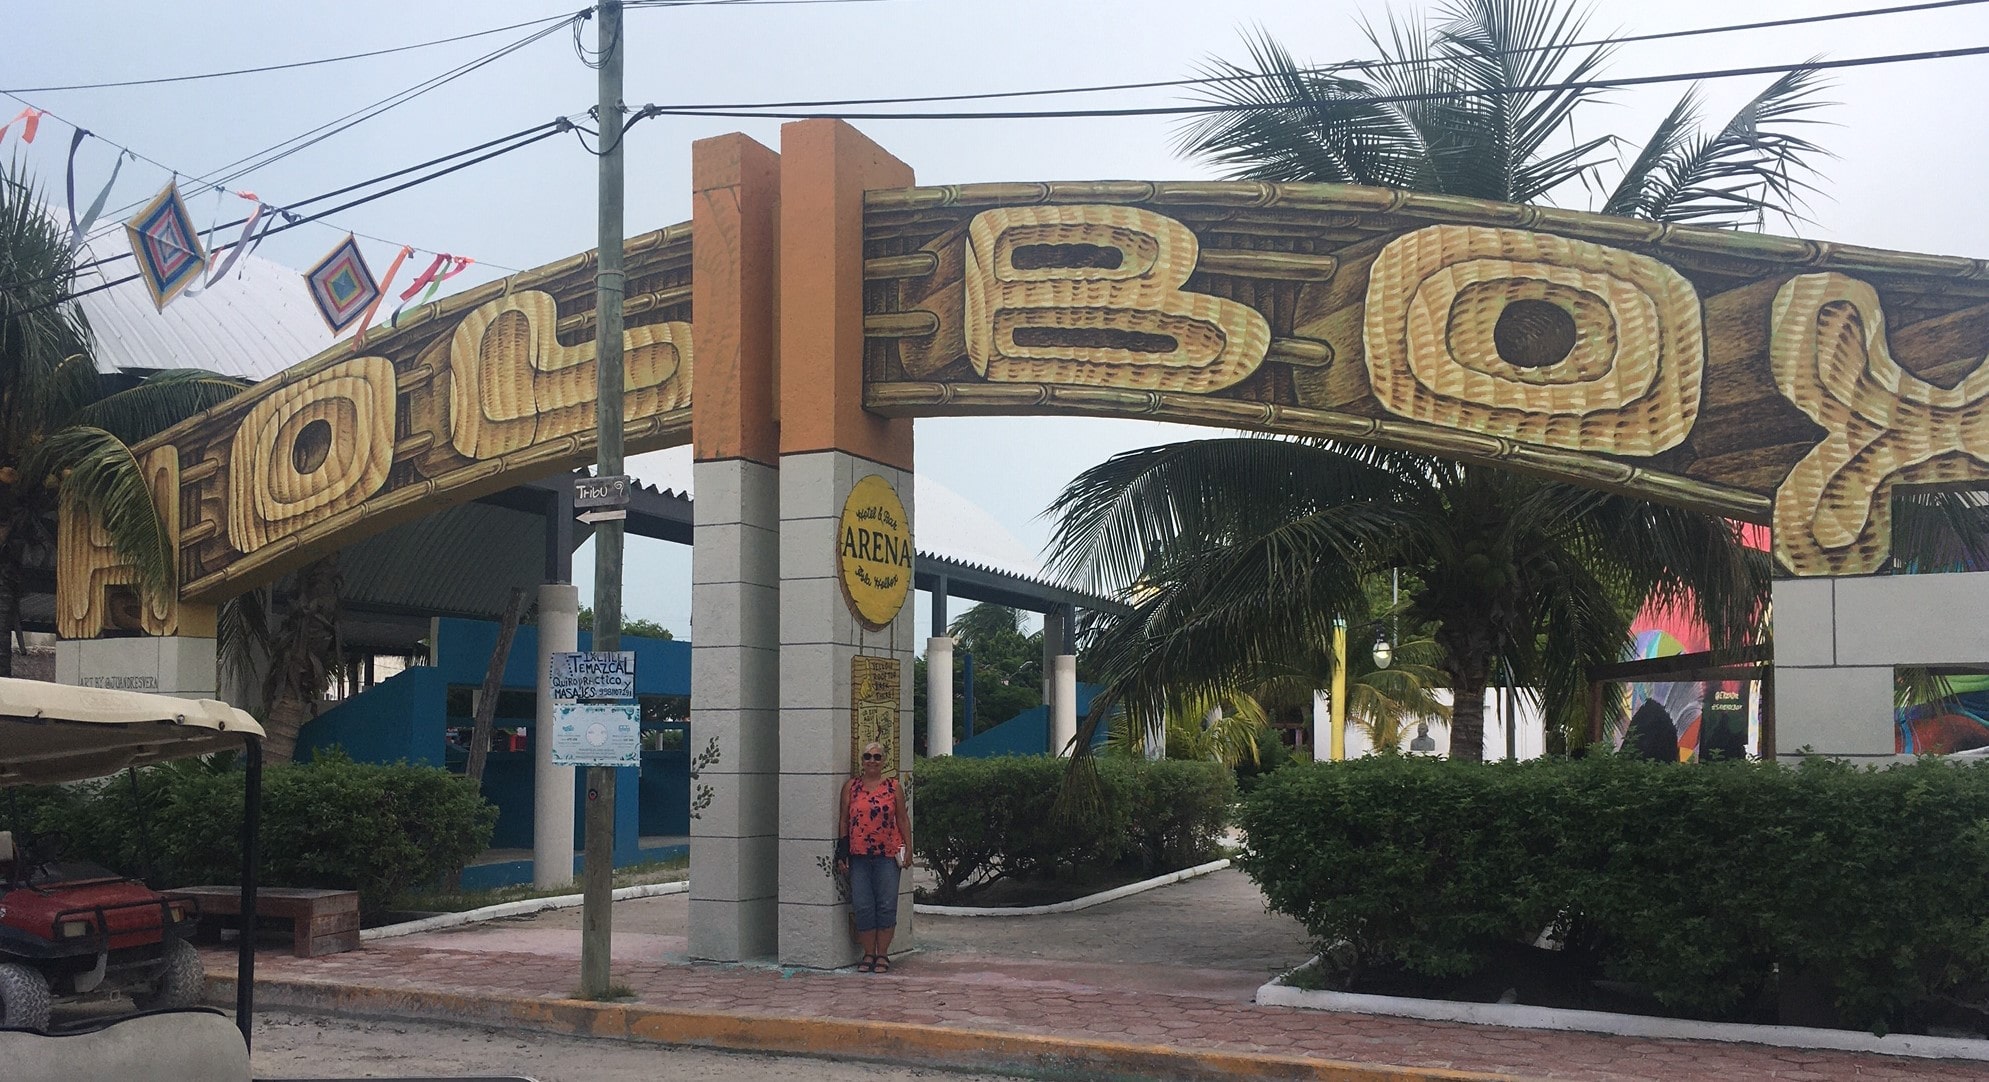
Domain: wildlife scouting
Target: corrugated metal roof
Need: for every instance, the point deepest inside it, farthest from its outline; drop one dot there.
(256, 322)
(943, 521)
(459, 561)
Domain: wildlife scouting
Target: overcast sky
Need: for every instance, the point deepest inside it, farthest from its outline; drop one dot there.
(1908, 139)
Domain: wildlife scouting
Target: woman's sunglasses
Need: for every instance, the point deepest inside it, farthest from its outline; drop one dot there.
(873, 758)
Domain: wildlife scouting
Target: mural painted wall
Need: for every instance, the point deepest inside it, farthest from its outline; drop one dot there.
(1769, 379)
(1763, 378)
(465, 396)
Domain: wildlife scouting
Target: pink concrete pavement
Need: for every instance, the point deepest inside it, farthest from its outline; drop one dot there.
(1029, 999)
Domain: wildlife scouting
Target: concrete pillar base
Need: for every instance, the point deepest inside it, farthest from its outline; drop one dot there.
(552, 786)
(939, 695)
(182, 665)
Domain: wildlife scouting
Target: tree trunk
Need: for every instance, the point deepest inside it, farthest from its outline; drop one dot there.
(287, 716)
(493, 683)
(1467, 714)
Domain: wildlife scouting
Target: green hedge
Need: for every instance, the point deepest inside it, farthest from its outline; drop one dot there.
(383, 830)
(979, 821)
(1715, 887)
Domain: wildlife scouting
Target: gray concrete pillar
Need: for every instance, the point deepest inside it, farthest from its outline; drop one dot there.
(836, 678)
(552, 786)
(939, 695)
(1053, 644)
(735, 710)
(1063, 714)
(182, 665)
(1322, 723)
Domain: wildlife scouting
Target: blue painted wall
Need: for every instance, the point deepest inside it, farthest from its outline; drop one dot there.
(405, 717)
(1027, 733)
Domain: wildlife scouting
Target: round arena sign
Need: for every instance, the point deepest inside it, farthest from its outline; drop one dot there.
(874, 552)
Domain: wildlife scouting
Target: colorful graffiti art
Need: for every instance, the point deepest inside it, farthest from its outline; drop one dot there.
(1937, 721)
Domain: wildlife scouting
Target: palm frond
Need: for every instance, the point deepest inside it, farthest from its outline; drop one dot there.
(1939, 530)
(101, 475)
(1754, 164)
(158, 402)
(1280, 120)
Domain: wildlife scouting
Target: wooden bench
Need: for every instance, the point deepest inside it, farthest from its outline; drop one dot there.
(321, 921)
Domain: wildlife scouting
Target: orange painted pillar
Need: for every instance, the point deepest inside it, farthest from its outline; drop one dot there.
(845, 479)
(735, 578)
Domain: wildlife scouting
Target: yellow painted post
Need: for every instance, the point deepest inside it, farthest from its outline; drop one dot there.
(1338, 748)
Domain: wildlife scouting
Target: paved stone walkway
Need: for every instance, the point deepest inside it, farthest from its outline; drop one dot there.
(1191, 1004)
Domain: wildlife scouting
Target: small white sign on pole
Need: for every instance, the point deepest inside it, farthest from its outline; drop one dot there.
(597, 734)
(593, 674)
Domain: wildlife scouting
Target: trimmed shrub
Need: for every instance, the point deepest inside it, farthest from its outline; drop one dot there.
(380, 829)
(1175, 810)
(978, 821)
(1714, 887)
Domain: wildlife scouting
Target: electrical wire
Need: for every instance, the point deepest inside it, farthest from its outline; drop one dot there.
(163, 79)
(289, 224)
(1348, 65)
(241, 167)
(559, 123)
(775, 113)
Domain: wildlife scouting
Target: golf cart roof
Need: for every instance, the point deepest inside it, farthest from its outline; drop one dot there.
(55, 732)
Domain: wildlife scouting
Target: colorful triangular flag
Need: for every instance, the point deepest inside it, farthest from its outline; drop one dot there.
(166, 246)
(342, 286)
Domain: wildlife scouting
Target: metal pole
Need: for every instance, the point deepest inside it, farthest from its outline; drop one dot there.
(245, 946)
(597, 921)
(1338, 736)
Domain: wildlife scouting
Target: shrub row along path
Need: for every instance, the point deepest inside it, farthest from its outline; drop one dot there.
(1175, 966)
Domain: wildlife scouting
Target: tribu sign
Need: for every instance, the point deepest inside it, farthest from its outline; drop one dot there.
(874, 552)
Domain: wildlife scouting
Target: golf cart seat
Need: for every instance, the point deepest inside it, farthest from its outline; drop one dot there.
(190, 1044)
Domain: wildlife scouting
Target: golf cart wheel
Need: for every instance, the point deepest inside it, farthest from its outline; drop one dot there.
(181, 981)
(23, 997)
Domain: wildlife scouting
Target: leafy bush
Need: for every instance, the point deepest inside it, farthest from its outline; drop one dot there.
(979, 821)
(380, 829)
(1174, 810)
(1706, 885)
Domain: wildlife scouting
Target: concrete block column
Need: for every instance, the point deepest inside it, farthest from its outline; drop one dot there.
(735, 558)
(735, 722)
(1839, 640)
(828, 444)
(819, 639)
(552, 786)
(939, 695)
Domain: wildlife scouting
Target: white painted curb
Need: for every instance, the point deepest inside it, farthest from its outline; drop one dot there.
(1519, 1016)
(1074, 904)
(522, 908)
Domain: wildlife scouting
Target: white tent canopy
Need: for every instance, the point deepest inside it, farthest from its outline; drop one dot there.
(55, 733)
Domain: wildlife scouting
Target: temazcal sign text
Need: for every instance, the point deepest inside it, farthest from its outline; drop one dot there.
(593, 674)
(874, 552)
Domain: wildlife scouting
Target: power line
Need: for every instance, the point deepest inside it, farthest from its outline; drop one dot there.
(162, 79)
(561, 124)
(1348, 65)
(270, 155)
(289, 224)
(775, 113)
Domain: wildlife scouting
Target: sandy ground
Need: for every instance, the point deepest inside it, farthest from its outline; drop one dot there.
(314, 1046)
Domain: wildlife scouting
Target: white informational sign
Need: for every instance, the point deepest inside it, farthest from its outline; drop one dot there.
(597, 734)
(593, 675)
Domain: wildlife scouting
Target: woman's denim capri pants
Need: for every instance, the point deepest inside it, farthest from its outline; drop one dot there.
(873, 892)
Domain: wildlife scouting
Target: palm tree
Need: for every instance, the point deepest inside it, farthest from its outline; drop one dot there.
(1249, 547)
(1246, 548)
(66, 429)
(1480, 102)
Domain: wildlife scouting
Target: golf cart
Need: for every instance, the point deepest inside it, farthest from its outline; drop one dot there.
(70, 928)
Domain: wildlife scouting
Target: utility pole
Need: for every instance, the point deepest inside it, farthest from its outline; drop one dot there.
(597, 917)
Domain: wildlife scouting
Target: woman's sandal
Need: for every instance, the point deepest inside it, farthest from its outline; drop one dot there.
(881, 965)
(868, 965)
